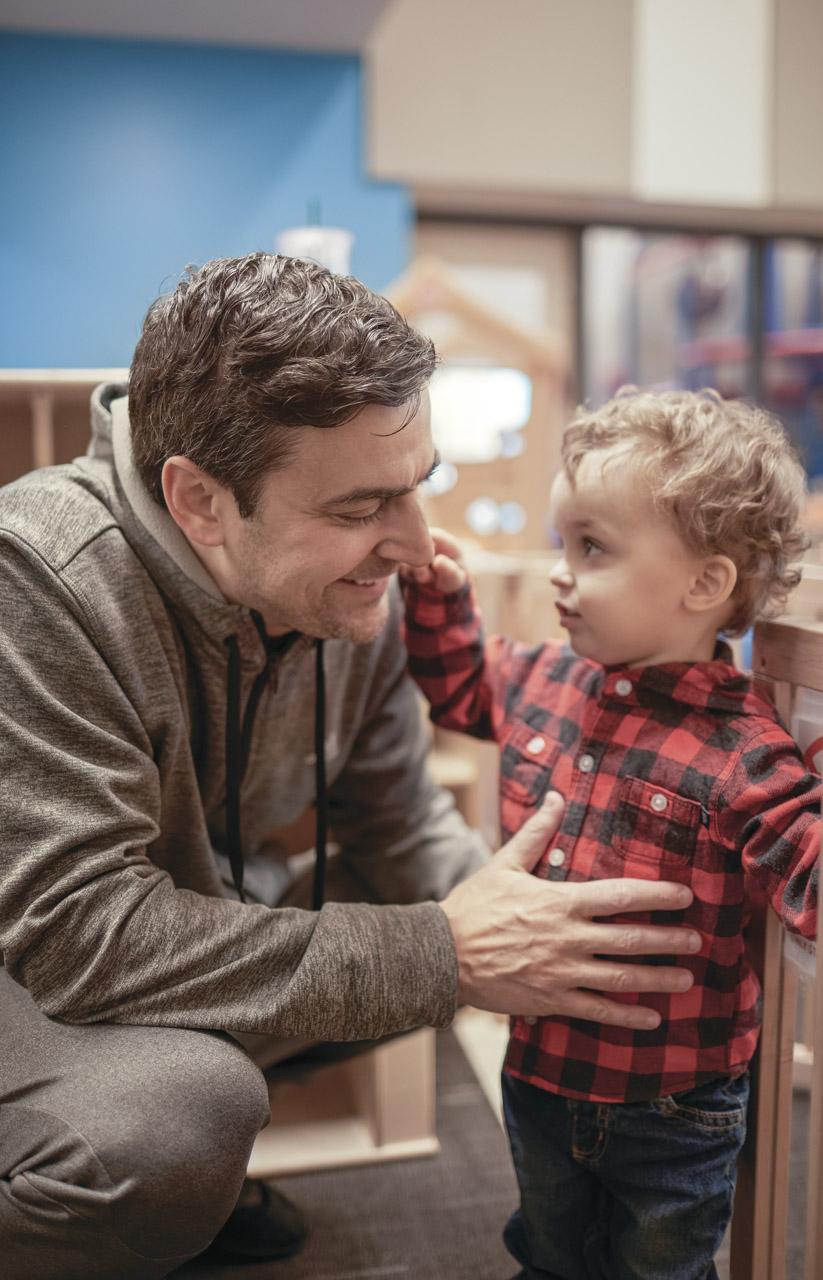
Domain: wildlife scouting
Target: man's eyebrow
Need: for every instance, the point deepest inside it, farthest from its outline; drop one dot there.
(352, 496)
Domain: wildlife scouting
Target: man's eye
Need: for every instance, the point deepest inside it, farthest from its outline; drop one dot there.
(359, 520)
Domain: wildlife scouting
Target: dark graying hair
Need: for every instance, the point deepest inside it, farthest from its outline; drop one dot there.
(247, 352)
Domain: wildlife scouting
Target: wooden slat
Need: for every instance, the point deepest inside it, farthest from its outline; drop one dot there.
(42, 428)
(814, 1189)
(781, 1140)
(759, 1221)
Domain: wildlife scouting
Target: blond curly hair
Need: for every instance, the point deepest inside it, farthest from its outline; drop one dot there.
(722, 471)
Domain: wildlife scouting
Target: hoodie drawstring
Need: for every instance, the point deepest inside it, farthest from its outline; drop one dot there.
(320, 777)
(238, 743)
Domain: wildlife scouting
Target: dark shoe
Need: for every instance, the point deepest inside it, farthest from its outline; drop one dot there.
(263, 1225)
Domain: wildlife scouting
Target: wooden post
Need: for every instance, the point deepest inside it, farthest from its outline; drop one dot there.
(814, 1188)
(788, 656)
(42, 428)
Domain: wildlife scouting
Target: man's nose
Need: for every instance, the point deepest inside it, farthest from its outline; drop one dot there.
(407, 538)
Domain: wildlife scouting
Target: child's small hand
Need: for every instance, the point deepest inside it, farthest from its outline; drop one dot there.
(447, 572)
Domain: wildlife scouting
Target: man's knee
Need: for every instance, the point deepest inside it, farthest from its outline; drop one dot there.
(185, 1142)
(156, 1165)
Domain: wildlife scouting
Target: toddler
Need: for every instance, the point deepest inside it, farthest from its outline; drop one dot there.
(677, 514)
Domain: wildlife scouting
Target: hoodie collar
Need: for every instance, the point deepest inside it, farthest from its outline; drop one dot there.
(177, 572)
(155, 519)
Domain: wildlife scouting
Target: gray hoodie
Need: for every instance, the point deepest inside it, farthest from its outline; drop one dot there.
(115, 898)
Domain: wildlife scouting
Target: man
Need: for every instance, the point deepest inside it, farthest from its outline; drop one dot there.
(200, 641)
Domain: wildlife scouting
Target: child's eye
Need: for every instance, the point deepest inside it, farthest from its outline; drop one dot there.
(590, 547)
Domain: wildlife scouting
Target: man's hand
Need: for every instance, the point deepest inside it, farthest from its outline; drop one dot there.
(528, 946)
(447, 571)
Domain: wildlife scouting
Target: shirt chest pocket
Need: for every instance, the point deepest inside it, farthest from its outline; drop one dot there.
(653, 824)
(527, 766)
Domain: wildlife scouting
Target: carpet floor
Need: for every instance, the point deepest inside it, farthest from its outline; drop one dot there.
(441, 1217)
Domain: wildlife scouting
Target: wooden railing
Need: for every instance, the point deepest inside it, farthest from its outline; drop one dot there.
(788, 658)
(38, 403)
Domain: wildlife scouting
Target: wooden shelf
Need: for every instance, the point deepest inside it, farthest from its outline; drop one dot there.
(378, 1106)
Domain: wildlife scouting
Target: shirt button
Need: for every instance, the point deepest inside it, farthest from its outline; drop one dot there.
(556, 858)
(624, 688)
(530, 1020)
(534, 745)
(586, 764)
(659, 802)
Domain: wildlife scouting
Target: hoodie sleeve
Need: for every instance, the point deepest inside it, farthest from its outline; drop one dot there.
(96, 931)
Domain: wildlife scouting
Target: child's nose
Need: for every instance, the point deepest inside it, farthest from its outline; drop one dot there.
(560, 575)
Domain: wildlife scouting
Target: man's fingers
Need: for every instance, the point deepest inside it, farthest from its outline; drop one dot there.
(525, 848)
(595, 1008)
(615, 897)
(606, 976)
(642, 940)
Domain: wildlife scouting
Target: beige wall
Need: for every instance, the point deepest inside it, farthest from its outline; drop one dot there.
(522, 93)
(599, 107)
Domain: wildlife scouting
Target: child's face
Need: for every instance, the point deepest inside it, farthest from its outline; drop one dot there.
(624, 571)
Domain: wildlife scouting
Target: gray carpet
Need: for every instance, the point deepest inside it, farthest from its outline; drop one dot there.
(440, 1218)
(436, 1218)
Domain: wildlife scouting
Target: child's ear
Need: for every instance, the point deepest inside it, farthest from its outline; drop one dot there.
(712, 584)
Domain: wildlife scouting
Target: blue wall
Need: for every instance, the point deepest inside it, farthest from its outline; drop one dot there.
(122, 162)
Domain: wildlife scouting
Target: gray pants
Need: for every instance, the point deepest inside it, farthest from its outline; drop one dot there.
(122, 1149)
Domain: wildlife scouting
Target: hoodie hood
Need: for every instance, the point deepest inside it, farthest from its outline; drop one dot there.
(111, 441)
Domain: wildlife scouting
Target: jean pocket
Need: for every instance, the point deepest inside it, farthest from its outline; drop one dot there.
(719, 1105)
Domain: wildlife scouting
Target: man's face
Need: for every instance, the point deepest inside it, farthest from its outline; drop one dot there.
(332, 527)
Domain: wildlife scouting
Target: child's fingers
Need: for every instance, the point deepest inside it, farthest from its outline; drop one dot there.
(423, 575)
(443, 574)
(447, 574)
(447, 544)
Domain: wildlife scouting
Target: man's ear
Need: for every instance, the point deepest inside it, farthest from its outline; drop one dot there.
(195, 501)
(712, 584)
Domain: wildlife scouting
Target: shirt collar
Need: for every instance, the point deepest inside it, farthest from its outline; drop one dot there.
(715, 685)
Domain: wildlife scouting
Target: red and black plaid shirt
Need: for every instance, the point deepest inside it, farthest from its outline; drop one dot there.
(676, 772)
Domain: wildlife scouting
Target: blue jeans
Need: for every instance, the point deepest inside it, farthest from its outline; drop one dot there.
(623, 1191)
